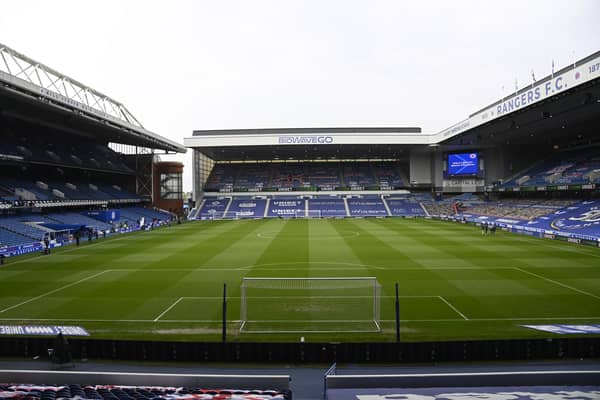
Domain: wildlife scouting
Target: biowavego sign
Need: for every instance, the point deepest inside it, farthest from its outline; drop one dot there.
(312, 139)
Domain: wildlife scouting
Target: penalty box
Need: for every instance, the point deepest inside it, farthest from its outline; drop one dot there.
(208, 309)
(196, 309)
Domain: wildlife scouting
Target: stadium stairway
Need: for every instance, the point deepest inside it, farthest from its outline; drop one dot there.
(346, 206)
(424, 209)
(367, 206)
(214, 208)
(387, 207)
(196, 210)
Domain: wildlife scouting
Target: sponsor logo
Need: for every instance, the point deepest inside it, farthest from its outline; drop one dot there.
(305, 139)
(565, 329)
(586, 219)
(293, 203)
(589, 216)
(42, 330)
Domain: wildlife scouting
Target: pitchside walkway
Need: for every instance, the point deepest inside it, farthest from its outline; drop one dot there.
(307, 382)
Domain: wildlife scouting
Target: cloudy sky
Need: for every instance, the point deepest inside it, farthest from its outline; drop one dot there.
(185, 65)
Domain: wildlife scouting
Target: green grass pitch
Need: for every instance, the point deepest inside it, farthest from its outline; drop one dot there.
(167, 284)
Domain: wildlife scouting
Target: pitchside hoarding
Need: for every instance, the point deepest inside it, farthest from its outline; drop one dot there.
(42, 330)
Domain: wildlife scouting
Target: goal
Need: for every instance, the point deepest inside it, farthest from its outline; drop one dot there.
(308, 214)
(313, 213)
(310, 305)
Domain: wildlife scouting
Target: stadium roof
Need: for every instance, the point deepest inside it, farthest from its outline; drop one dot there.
(26, 82)
(559, 110)
(304, 143)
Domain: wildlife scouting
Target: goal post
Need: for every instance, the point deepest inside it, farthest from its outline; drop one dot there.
(310, 305)
(313, 213)
(308, 214)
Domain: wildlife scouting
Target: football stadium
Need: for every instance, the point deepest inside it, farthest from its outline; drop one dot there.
(387, 246)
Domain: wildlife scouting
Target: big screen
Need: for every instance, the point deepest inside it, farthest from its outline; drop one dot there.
(463, 164)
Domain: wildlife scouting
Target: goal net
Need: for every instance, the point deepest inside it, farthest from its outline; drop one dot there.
(308, 214)
(310, 305)
(313, 213)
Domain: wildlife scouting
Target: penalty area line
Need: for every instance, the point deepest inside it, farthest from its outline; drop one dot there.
(168, 309)
(453, 308)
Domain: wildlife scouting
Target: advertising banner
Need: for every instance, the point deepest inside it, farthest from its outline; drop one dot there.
(42, 330)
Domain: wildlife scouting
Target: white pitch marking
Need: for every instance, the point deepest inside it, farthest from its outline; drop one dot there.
(168, 309)
(306, 297)
(54, 291)
(558, 283)
(110, 240)
(454, 308)
(237, 321)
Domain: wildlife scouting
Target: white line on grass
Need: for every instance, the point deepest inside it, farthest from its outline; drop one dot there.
(118, 321)
(237, 321)
(558, 283)
(306, 297)
(565, 247)
(168, 309)
(453, 308)
(110, 240)
(250, 267)
(54, 291)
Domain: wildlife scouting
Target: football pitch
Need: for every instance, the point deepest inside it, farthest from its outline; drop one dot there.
(167, 284)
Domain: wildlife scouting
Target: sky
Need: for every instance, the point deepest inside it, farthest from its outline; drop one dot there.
(182, 65)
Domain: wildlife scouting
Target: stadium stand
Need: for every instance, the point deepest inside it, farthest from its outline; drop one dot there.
(33, 227)
(438, 208)
(34, 149)
(214, 208)
(359, 176)
(118, 392)
(388, 175)
(56, 191)
(326, 206)
(72, 218)
(367, 206)
(252, 178)
(406, 206)
(21, 227)
(565, 168)
(518, 209)
(286, 207)
(246, 207)
(9, 237)
(323, 176)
